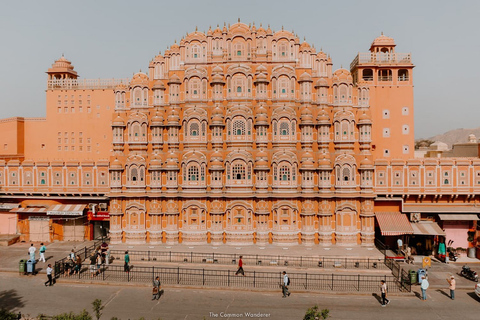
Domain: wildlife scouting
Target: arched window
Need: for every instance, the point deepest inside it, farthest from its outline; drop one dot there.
(284, 129)
(239, 128)
(137, 96)
(346, 174)
(193, 173)
(238, 171)
(133, 174)
(194, 129)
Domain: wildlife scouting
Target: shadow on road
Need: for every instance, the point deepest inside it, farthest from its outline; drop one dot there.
(473, 296)
(379, 298)
(443, 292)
(10, 300)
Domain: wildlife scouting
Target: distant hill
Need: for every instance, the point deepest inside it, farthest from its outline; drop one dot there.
(456, 136)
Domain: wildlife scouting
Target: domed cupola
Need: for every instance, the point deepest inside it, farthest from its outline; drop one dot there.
(62, 69)
(323, 117)
(306, 116)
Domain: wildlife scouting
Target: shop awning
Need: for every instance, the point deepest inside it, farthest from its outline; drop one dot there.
(30, 210)
(8, 206)
(427, 228)
(66, 210)
(459, 217)
(393, 223)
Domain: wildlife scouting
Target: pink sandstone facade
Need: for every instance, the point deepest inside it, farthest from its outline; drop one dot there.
(240, 135)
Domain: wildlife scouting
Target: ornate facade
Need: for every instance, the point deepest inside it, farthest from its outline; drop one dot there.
(242, 135)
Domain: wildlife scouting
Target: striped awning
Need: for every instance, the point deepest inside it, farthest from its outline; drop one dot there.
(30, 210)
(427, 228)
(459, 217)
(66, 210)
(393, 223)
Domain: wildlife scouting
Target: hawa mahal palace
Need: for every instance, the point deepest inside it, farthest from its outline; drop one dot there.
(240, 135)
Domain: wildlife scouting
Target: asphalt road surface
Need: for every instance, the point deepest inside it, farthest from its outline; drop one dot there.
(28, 295)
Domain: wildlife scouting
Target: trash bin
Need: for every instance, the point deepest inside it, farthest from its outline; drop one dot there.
(21, 266)
(471, 252)
(421, 273)
(31, 266)
(413, 276)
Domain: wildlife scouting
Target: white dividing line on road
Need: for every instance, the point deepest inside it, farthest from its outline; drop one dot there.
(112, 297)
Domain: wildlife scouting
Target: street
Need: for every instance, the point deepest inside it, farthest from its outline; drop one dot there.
(28, 295)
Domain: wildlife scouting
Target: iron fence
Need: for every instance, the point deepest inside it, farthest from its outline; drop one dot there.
(227, 278)
(84, 253)
(259, 260)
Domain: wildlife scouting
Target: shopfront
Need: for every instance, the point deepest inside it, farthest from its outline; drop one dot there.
(459, 228)
(99, 223)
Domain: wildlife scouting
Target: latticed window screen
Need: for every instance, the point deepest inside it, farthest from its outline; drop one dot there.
(346, 174)
(193, 173)
(141, 174)
(133, 174)
(194, 129)
(238, 172)
(239, 127)
(284, 130)
(284, 173)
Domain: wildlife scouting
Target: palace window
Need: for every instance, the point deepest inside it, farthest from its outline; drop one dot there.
(239, 127)
(193, 173)
(238, 172)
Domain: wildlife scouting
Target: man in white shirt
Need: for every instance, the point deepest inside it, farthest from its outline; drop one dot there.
(49, 276)
(31, 251)
(286, 282)
(383, 290)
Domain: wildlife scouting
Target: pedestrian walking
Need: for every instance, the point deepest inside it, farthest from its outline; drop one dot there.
(156, 291)
(451, 286)
(126, 267)
(49, 276)
(240, 267)
(285, 284)
(31, 252)
(424, 286)
(72, 255)
(383, 290)
(99, 264)
(400, 245)
(42, 252)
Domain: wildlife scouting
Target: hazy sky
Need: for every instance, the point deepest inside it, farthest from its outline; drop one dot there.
(114, 39)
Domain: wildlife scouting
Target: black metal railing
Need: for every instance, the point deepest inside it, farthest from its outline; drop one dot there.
(259, 260)
(227, 278)
(84, 253)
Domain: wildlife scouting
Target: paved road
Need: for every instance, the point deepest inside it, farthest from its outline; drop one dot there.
(28, 295)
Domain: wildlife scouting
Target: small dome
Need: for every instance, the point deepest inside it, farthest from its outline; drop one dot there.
(155, 162)
(174, 79)
(172, 161)
(364, 118)
(173, 116)
(116, 165)
(322, 82)
(383, 40)
(261, 69)
(305, 77)
(62, 63)
(158, 85)
(139, 78)
(157, 120)
(323, 117)
(324, 162)
(217, 69)
(261, 78)
(305, 46)
(306, 116)
(217, 78)
(120, 87)
(342, 75)
(439, 146)
(366, 164)
(118, 122)
(217, 115)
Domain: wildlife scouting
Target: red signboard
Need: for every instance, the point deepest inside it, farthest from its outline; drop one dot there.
(98, 215)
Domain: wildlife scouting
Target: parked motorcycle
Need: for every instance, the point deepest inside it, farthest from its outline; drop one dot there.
(452, 254)
(469, 273)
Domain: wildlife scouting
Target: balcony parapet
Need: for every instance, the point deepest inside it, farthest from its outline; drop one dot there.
(62, 84)
(381, 57)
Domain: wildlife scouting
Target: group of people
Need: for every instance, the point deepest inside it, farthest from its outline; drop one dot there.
(72, 264)
(100, 256)
(32, 250)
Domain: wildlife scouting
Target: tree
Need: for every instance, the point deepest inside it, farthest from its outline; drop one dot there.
(97, 308)
(7, 315)
(313, 313)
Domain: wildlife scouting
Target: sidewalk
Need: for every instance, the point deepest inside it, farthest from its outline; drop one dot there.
(439, 272)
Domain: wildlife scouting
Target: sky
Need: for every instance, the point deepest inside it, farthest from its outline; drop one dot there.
(114, 39)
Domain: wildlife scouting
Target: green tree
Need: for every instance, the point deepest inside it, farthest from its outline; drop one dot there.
(97, 308)
(84, 315)
(313, 313)
(7, 315)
